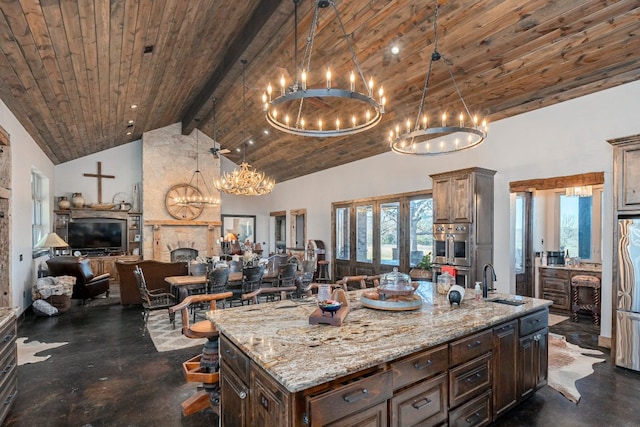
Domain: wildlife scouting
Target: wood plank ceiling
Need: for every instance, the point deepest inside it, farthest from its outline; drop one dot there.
(70, 70)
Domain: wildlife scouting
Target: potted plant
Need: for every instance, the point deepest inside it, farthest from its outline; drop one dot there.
(422, 270)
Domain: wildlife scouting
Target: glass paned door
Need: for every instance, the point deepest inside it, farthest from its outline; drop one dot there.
(343, 243)
(420, 229)
(364, 233)
(390, 233)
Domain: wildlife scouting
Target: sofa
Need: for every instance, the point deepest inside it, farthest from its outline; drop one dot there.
(87, 285)
(154, 274)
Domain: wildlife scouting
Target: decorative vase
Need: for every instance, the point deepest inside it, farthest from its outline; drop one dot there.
(64, 203)
(77, 200)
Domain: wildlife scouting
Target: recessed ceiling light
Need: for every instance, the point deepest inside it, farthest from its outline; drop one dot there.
(266, 131)
(251, 142)
(238, 149)
(395, 50)
(129, 133)
(134, 106)
(130, 122)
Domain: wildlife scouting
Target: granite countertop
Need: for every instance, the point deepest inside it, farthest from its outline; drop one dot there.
(278, 337)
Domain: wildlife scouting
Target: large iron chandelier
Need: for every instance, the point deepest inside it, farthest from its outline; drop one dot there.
(200, 195)
(440, 133)
(354, 111)
(244, 181)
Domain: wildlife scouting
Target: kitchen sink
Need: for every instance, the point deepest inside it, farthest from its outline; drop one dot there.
(507, 301)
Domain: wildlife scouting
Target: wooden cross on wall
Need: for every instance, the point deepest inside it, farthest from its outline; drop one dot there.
(99, 175)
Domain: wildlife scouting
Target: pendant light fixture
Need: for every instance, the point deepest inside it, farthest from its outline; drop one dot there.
(200, 195)
(351, 111)
(443, 131)
(244, 181)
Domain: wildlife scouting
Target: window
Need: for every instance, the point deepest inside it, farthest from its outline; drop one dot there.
(39, 212)
(343, 243)
(520, 234)
(389, 233)
(420, 229)
(364, 233)
(375, 235)
(579, 225)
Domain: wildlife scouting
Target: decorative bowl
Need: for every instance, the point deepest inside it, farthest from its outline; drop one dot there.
(329, 306)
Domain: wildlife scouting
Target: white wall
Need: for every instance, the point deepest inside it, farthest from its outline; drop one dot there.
(25, 156)
(564, 139)
(124, 162)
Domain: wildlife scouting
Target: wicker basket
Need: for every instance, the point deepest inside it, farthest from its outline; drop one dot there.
(61, 302)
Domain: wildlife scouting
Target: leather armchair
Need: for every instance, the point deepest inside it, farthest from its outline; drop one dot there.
(87, 285)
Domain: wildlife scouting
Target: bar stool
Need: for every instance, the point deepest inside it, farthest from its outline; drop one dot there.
(323, 272)
(589, 282)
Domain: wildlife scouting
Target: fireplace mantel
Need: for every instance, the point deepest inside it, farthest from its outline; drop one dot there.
(157, 234)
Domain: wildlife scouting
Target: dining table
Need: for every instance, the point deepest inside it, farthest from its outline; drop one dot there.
(182, 286)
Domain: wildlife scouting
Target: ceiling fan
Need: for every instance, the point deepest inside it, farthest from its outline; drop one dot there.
(217, 150)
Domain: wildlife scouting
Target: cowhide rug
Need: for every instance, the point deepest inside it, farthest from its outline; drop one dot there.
(567, 364)
(27, 350)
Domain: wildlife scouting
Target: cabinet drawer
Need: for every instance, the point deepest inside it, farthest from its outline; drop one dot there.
(234, 358)
(420, 366)
(470, 379)
(350, 398)
(560, 300)
(555, 272)
(476, 412)
(555, 284)
(422, 402)
(470, 347)
(8, 336)
(534, 321)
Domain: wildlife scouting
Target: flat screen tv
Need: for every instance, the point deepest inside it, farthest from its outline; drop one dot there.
(97, 234)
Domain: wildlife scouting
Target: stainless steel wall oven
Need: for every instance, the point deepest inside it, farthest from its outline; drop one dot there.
(452, 244)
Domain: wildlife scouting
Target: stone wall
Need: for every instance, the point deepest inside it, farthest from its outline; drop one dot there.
(169, 158)
(5, 220)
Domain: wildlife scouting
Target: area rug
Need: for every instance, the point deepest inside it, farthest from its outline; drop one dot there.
(165, 337)
(554, 319)
(27, 351)
(567, 364)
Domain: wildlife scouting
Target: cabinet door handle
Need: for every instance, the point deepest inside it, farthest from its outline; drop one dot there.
(534, 321)
(355, 396)
(242, 394)
(424, 365)
(474, 344)
(472, 418)
(504, 328)
(419, 405)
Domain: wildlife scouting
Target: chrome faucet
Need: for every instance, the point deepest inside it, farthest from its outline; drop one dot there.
(485, 289)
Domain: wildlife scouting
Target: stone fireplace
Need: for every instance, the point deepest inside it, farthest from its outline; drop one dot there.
(169, 158)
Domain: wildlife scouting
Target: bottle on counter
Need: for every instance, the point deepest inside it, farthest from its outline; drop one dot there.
(478, 290)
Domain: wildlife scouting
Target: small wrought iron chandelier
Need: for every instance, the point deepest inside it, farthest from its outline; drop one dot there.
(244, 181)
(198, 196)
(438, 134)
(286, 112)
(579, 191)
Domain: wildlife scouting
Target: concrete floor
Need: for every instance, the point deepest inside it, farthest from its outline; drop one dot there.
(111, 375)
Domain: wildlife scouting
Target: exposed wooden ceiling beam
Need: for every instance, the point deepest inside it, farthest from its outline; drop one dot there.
(263, 18)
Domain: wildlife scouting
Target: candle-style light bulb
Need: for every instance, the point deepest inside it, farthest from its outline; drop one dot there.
(303, 77)
(286, 120)
(328, 78)
(408, 126)
(368, 115)
(274, 113)
(320, 124)
(384, 102)
(264, 97)
(475, 121)
(381, 93)
(397, 130)
(302, 123)
(282, 82)
(370, 86)
(484, 125)
(352, 79)
(269, 90)
(424, 121)
(353, 121)
(337, 124)
(461, 117)
(444, 119)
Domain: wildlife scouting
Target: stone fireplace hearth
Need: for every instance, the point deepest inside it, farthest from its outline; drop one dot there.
(169, 158)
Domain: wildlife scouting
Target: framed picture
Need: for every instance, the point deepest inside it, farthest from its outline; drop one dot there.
(242, 226)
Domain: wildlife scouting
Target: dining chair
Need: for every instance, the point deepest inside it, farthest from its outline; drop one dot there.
(359, 282)
(155, 299)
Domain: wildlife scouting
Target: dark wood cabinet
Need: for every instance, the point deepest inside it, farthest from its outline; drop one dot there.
(269, 405)
(236, 396)
(452, 201)
(475, 413)
(626, 158)
(505, 367)
(423, 404)
(8, 363)
(533, 353)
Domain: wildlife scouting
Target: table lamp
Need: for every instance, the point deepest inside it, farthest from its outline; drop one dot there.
(51, 241)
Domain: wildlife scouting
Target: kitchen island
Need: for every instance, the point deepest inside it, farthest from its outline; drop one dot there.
(440, 364)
